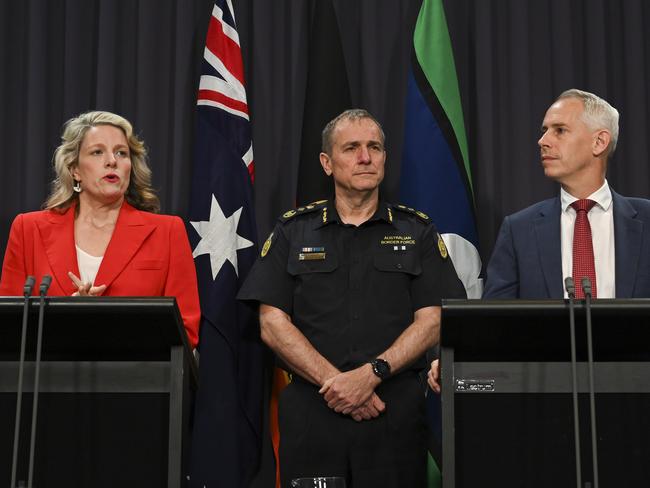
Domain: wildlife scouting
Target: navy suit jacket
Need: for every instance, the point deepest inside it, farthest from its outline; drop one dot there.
(527, 258)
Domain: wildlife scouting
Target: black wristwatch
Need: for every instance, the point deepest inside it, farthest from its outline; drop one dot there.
(381, 368)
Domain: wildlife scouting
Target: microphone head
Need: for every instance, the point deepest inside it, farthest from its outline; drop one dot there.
(29, 284)
(586, 286)
(570, 286)
(45, 284)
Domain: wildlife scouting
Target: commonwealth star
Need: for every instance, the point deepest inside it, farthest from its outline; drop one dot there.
(219, 238)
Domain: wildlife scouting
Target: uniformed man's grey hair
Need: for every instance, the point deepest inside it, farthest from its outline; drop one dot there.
(597, 114)
(352, 114)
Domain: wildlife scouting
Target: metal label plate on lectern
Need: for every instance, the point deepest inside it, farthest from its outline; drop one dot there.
(464, 385)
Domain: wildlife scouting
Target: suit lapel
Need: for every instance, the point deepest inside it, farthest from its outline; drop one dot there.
(547, 233)
(130, 232)
(628, 232)
(57, 234)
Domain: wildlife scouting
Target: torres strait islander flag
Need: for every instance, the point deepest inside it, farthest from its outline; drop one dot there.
(226, 438)
(436, 176)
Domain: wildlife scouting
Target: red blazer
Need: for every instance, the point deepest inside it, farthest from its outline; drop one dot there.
(148, 255)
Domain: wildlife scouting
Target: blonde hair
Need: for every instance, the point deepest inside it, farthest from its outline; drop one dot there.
(140, 194)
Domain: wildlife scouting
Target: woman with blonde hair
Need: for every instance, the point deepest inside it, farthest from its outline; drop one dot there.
(99, 232)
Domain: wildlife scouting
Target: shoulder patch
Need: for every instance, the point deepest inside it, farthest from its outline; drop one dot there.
(312, 207)
(421, 215)
(267, 245)
(444, 254)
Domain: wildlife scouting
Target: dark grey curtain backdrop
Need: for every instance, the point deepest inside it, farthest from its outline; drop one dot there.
(141, 59)
(63, 57)
(514, 57)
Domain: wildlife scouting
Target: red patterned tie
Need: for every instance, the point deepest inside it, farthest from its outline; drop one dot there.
(583, 248)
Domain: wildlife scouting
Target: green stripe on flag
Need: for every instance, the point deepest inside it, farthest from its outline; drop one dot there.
(434, 477)
(434, 53)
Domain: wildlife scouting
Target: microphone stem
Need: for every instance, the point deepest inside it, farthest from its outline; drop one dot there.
(21, 368)
(574, 378)
(592, 398)
(45, 284)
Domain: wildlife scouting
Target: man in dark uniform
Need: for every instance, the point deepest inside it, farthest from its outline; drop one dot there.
(349, 295)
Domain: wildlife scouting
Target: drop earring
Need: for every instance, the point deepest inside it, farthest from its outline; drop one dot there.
(77, 186)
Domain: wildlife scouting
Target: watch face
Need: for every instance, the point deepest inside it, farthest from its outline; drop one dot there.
(381, 368)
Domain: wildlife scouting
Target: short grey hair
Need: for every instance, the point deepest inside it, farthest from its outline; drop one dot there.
(352, 114)
(597, 113)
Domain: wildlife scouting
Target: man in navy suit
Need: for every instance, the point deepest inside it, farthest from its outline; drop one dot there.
(533, 253)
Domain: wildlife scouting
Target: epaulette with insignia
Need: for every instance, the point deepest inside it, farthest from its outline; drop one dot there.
(289, 214)
(421, 215)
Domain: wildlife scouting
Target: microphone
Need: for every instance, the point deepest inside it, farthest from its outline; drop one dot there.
(571, 291)
(27, 291)
(27, 287)
(570, 287)
(43, 287)
(586, 288)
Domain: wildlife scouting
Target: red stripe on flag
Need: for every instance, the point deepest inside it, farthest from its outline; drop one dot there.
(225, 49)
(223, 99)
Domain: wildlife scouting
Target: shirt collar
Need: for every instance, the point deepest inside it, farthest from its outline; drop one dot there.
(330, 215)
(602, 197)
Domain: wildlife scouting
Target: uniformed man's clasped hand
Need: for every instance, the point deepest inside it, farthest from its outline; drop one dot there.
(352, 393)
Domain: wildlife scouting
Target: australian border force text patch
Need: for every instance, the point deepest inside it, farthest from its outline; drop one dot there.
(398, 242)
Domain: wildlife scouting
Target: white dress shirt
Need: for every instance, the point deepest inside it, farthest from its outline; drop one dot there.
(601, 220)
(88, 265)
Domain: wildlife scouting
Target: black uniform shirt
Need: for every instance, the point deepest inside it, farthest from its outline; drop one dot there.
(352, 290)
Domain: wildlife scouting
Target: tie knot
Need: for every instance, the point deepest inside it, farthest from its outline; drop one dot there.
(583, 204)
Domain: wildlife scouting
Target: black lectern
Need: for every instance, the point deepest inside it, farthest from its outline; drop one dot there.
(116, 377)
(506, 393)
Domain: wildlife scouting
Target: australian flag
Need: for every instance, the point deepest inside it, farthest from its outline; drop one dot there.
(226, 435)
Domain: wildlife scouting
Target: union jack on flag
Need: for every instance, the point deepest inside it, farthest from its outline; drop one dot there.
(226, 436)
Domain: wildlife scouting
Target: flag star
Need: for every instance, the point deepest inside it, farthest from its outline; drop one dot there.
(219, 238)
